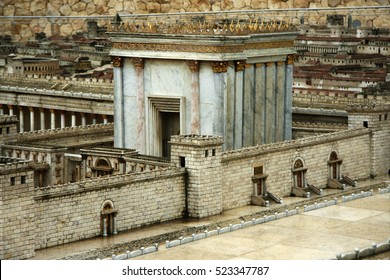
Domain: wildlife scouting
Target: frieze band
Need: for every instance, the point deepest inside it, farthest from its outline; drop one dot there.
(201, 48)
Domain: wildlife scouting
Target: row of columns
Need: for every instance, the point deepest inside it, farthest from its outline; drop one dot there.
(33, 125)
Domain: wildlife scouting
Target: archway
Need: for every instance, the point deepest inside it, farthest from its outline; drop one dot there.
(299, 173)
(107, 219)
(102, 167)
(334, 164)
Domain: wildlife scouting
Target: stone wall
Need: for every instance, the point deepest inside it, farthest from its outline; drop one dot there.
(23, 31)
(278, 159)
(72, 212)
(16, 210)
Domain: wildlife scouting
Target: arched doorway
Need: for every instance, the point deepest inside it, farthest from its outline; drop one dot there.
(334, 164)
(107, 219)
(299, 174)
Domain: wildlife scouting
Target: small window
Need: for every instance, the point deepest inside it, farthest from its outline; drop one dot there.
(380, 117)
(365, 124)
(23, 180)
(258, 170)
(1, 131)
(206, 153)
(182, 161)
(213, 152)
(7, 130)
(12, 181)
(116, 166)
(385, 117)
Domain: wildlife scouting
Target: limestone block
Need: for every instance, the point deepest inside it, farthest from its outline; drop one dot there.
(199, 236)
(236, 227)
(270, 218)
(121, 257)
(38, 8)
(186, 240)
(135, 253)
(259, 221)
(172, 243)
(348, 256)
(366, 252)
(223, 230)
(211, 233)
(149, 250)
(247, 224)
(382, 247)
(90, 8)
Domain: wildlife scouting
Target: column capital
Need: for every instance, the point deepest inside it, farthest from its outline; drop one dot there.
(220, 66)
(193, 65)
(280, 63)
(271, 63)
(31, 109)
(259, 64)
(117, 61)
(138, 62)
(290, 59)
(239, 65)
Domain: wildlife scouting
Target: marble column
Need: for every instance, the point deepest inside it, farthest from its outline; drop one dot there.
(94, 119)
(42, 118)
(32, 121)
(195, 96)
(83, 119)
(270, 103)
(11, 110)
(239, 109)
(73, 119)
(288, 98)
(260, 89)
(104, 226)
(248, 105)
(105, 119)
(52, 119)
(280, 99)
(21, 119)
(1, 110)
(115, 230)
(118, 102)
(62, 119)
(139, 76)
(219, 98)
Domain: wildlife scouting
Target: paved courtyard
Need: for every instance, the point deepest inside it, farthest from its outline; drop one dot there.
(318, 234)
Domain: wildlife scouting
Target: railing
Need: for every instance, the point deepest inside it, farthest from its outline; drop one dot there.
(314, 189)
(300, 192)
(334, 184)
(348, 181)
(258, 200)
(275, 198)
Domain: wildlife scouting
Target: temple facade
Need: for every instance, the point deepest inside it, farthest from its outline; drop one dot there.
(231, 79)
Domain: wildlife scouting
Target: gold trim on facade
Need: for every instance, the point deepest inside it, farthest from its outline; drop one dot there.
(117, 61)
(239, 65)
(201, 48)
(193, 65)
(290, 59)
(137, 62)
(220, 66)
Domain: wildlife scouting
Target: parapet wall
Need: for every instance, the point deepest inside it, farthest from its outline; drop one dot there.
(58, 84)
(72, 212)
(277, 159)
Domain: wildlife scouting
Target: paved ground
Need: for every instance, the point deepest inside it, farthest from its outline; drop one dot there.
(318, 234)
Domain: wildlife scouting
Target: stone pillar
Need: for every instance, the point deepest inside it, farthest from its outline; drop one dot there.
(52, 119)
(21, 119)
(270, 103)
(288, 98)
(73, 122)
(31, 118)
(280, 100)
(83, 119)
(115, 231)
(62, 119)
(118, 102)
(260, 89)
(105, 119)
(139, 76)
(94, 119)
(104, 226)
(42, 118)
(11, 110)
(195, 96)
(1, 110)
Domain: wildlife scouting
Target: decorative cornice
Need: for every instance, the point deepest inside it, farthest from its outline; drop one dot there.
(201, 48)
(117, 61)
(137, 62)
(239, 65)
(193, 65)
(220, 66)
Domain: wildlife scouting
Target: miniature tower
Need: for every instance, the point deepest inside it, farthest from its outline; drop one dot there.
(201, 156)
(376, 118)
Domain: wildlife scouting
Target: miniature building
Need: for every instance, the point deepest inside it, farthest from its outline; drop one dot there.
(230, 79)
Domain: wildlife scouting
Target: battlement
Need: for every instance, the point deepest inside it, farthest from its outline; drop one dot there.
(369, 107)
(105, 182)
(11, 165)
(196, 140)
(62, 93)
(302, 142)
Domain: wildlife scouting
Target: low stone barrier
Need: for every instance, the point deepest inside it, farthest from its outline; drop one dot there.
(357, 196)
(365, 252)
(136, 253)
(385, 190)
(319, 205)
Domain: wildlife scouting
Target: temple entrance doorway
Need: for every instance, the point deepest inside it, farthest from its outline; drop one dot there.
(107, 219)
(170, 125)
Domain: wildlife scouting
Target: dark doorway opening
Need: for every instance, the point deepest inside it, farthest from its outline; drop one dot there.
(170, 125)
